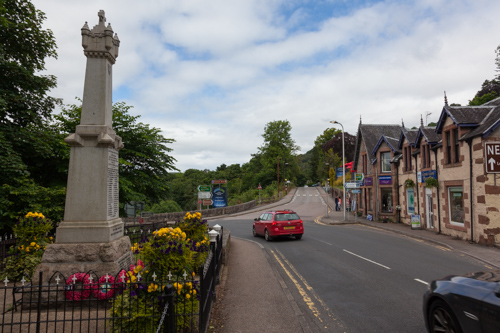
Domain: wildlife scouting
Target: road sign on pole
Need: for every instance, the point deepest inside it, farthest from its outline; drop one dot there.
(219, 181)
(351, 185)
(204, 188)
(204, 195)
(207, 202)
(359, 177)
(492, 157)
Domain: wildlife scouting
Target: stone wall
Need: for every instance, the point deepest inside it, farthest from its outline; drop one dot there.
(205, 213)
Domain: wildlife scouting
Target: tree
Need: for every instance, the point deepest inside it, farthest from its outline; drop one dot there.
(489, 91)
(144, 161)
(24, 47)
(25, 108)
(278, 145)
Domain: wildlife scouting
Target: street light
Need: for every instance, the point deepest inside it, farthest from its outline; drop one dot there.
(284, 176)
(343, 162)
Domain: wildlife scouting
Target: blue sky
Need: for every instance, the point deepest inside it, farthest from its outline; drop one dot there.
(212, 74)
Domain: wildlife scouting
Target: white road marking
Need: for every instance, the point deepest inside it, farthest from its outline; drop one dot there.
(373, 262)
(319, 240)
(422, 281)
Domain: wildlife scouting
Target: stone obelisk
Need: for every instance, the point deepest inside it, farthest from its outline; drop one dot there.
(91, 236)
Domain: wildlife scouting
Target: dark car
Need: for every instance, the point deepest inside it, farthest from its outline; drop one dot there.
(466, 303)
(280, 223)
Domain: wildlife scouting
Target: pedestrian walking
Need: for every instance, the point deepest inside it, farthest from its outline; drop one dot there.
(340, 203)
(337, 204)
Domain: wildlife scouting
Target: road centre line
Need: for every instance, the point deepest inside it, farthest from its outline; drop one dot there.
(319, 240)
(373, 262)
(422, 281)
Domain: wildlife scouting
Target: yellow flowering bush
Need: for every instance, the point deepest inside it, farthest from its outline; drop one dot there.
(32, 238)
(194, 226)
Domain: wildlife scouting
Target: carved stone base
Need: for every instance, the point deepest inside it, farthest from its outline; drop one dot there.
(102, 258)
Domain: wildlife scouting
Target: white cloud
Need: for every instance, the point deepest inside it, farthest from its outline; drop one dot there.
(212, 74)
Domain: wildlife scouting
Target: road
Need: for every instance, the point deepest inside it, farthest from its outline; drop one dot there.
(353, 278)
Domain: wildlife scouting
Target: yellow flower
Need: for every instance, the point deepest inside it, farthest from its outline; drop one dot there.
(152, 287)
(188, 296)
(133, 278)
(193, 291)
(28, 249)
(137, 269)
(33, 244)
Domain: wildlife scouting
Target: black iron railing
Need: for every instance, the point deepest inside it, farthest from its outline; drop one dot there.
(142, 301)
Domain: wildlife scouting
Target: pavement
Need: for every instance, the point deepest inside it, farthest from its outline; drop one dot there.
(257, 300)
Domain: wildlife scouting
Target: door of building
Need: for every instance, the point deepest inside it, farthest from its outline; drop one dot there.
(428, 209)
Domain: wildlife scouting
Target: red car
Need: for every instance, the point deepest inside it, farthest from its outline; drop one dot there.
(280, 223)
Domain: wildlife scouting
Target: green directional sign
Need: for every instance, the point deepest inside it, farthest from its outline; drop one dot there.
(204, 188)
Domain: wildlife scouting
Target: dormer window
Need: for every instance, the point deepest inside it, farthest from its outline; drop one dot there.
(407, 158)
(385, 161)
(452, 146)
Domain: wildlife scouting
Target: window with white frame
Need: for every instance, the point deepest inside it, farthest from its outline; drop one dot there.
(385, 161)
(456, 202)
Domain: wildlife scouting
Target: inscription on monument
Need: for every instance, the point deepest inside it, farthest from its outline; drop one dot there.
(118, 230)
(124, 261)
(113, 182)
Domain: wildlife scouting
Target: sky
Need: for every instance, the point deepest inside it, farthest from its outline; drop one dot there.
(212, 74)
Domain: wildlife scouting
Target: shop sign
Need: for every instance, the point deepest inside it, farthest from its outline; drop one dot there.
(368, 181)
(385, 180)
(427, 174)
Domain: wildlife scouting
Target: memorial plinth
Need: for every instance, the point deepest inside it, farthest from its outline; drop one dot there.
(91, 236)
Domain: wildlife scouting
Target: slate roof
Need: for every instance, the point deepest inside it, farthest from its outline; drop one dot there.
(463, 116)
(409, 134)
(370, 136)
(486, 126)
(483, 119)
(429, 134)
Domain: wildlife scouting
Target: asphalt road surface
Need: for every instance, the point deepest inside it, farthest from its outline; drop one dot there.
(353, 278)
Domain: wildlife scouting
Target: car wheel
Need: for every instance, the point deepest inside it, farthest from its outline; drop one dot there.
(442, 319)
(254, 232)
(267, 237)
(298, 237)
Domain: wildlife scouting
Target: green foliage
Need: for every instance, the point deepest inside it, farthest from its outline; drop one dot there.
(31, 232)
(170, 250)
(24, 47)
(144, 161)
(165, 206)
(431, 182)
(28, 146)
(133, 310)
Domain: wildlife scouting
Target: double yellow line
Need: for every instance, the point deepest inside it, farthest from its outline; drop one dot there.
(305, 290)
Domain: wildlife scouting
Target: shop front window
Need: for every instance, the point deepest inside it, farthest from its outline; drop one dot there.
(456, 200)
(386, 194)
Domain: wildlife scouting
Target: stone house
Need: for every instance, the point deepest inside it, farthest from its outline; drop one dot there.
(469, 198)
(439, 174)
(376, 146)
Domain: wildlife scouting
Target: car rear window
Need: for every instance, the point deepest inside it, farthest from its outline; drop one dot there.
(286, 217)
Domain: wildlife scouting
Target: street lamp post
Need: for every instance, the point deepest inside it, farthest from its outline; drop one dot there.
(343, 163)
(284, 176)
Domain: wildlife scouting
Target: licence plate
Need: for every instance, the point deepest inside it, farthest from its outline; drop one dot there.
(288, 228)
